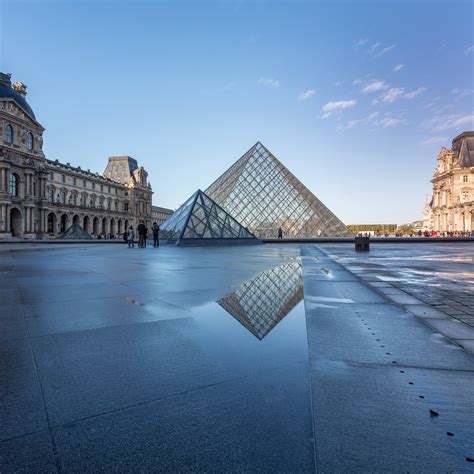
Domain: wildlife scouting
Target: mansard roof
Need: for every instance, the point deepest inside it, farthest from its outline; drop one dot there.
(463, 146)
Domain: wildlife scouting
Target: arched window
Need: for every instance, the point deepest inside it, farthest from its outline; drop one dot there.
(8, 134)
(14, 184)
(29, 141)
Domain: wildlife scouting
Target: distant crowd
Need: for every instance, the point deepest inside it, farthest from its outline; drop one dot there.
(426, 233)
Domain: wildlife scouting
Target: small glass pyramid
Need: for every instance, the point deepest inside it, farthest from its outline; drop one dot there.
(200, 221)
(263, 301)
(262, 194)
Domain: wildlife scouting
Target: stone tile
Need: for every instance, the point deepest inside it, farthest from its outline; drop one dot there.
(245, 425)
(12, 322)
(404, 299)
(452, 329)
(426, 311)
(21, 404)
(31, 453)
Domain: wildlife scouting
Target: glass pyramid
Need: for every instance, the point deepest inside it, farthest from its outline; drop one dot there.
(262, 194)
(200, 220)
(262, 302)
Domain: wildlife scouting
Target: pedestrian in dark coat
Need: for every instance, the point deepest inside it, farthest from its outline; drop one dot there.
(141, 229)
(156, 232)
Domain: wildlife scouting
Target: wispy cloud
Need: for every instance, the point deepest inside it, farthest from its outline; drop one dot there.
(469, 50)
(331, 107)
(435, 141)
(374, 47)
(398, 67)
(360, 43)
(374, 86)
(389, 122)
(389, 96)
(374, 120)
(394, 93)
(446, 122)
(357, 82)
(415, 93)
(263, 81)
(306, 95)
(461, 92)
(384, 50)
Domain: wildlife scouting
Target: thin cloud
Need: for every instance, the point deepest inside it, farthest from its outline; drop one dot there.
(447, 122)
(306, 95)
(268, 82)
(415, 93)
(374, 47)
(360, 43)
(389, 122)
(338, 105)
(398, 67)
(384, 50)
(363, 121)
(469, 50)
(461, 92)
(374, 86)
(435, 141)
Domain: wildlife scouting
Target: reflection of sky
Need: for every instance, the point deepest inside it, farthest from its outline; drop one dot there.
(263, 301)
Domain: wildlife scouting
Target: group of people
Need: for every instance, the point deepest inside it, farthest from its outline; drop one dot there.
(142, 232)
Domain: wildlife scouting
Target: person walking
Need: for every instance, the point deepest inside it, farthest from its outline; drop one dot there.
(156, 231)
(131, 237)
(141, 234)
(280, 233)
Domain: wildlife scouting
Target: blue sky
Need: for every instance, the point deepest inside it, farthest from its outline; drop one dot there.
(355, 98)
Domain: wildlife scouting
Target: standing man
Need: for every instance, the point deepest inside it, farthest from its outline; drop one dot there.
(131, 237)
(141, 234)
(156, 231)
(280, 233)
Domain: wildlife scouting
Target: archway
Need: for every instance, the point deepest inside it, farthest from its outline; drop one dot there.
(95, 225)
(104, 226)
(76, 219)
(126, 226)
(86, 224)
(16, 222)
(112, 226)
(119, 226)
(64, 224)
(52, 223)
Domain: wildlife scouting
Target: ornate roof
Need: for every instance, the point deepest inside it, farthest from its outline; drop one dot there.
(17, 92)
(463, 146)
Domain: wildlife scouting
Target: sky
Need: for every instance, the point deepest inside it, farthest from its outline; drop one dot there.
(356, 98)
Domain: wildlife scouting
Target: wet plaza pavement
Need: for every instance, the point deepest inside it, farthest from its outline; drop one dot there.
(269, 358)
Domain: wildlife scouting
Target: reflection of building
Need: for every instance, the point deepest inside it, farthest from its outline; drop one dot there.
(160, 214)
(453, 187)
(40, 197)
(262, 302)
(264, 196)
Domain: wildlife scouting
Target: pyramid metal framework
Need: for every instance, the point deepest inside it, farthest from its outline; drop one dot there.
(200, 220)
(263, 301)
(262, 194)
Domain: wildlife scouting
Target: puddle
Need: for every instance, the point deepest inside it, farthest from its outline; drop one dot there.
(263, 301)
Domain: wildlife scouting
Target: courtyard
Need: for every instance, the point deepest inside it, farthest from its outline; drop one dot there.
(267, 358)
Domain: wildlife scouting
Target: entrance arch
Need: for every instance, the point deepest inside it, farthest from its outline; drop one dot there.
(126, 226)
(76, 219)
(16, 222)
(64, 223)
(86, 224)
(104, 226)
(112, 226)
(52, 220)
(95, 225)
(119, 226)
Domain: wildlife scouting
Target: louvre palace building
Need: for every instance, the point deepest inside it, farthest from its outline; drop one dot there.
(41, 198)
(451, 208)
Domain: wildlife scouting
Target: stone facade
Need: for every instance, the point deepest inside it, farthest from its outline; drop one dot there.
(40, 198)
(160, 214)
(452, 205)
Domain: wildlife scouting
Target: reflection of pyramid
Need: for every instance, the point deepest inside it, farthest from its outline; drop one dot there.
(264, 196)
(200, 220)
(76, 232)
(262, 302)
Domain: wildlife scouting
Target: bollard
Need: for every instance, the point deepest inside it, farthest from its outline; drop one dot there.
(362, 244)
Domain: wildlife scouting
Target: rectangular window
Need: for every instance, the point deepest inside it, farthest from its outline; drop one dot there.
(116, 191)
(125, 206)
(51, 175)
(50, 195)
(63, 177)
(74, 181)
(109, 189)
(102, 187)
(93, 185)
(84, 183)
(465, 179)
